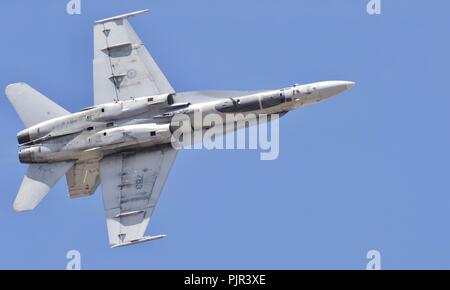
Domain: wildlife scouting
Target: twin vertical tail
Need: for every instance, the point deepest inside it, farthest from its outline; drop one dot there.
(33, 108)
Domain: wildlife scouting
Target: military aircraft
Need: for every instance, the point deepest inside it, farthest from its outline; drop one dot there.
(123, 141)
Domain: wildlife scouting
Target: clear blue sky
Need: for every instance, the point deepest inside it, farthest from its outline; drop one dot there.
(366, 170)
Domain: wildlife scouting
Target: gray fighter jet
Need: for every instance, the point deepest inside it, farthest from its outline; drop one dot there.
(124, 140)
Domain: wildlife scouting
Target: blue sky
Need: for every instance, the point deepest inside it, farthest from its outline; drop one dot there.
(365, 170)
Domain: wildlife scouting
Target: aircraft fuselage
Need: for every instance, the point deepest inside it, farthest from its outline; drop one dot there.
(146, 121)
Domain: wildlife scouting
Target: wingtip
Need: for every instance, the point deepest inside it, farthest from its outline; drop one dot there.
(121, 16)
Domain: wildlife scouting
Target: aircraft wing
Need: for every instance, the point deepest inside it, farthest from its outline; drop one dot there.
(123, 68)
(132, 183)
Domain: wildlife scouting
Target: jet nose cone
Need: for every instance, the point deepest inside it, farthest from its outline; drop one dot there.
(349, 85)
(339, 85)
(332, 88)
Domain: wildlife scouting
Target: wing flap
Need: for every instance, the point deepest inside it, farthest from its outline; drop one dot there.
(83, 178)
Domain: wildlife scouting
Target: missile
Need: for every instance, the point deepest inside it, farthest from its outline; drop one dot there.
(131, 134)
(142, 240)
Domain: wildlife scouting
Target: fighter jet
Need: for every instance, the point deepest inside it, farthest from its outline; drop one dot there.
(123, 141)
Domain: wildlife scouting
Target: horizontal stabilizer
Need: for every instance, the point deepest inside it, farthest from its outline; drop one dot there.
(32, 106)
(38, 181)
